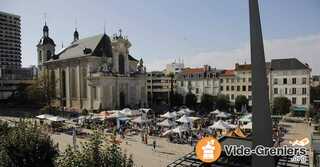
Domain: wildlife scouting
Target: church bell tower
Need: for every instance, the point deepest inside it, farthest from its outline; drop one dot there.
(45, 47)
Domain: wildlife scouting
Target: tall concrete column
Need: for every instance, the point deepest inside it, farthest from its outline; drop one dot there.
(262, 123)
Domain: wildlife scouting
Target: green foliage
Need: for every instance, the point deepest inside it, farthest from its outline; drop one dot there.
(207, 102)
(281, 105)
(94, 153)
(24, 145)
(222, 103)
(191, 100)
(314, 93)
(240, 101)
(177, 99)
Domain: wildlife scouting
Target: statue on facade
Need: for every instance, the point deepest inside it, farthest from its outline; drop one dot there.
(140, 66)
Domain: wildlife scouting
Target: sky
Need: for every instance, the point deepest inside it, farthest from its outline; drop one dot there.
(213, 32)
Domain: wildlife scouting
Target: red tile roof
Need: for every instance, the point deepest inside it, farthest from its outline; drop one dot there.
(193, 70)
(228, 72)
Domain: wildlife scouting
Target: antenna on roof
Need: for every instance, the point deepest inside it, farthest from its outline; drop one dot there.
(45, 18)
(104, 27)
(75, 23)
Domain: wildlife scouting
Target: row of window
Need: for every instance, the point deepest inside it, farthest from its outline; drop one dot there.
(286, 81)
(237, 88)
(289, 91)
(303, 101)
(232, 80)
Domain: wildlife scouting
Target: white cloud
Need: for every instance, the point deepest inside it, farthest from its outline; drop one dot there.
(306, 49)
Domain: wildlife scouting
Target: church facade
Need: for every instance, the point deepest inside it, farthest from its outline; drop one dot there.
(93, 73)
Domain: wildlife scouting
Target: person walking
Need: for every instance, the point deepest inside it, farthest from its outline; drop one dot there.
(154, 145)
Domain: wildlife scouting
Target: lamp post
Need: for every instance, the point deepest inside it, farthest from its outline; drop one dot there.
(261, 117)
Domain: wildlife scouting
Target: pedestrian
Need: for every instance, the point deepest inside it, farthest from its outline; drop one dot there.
(154, 145)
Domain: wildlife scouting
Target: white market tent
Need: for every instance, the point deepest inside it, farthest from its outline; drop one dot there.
(129, 112)
(223, 115)
(246, 118)
(247, 126)
(179, 129)
(215, 112)
(220, 125)
(56, 119)
(116, 114)
(44, 116)
(144, 110)
(184, 119)
(185, 111)
(169, 115)
(166, 123)
(140, 120)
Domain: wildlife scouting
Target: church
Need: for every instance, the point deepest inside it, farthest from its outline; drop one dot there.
(93, 73)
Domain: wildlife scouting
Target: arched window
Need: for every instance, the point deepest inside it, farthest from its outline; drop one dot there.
(48, 55)
(121, 64)
(73, 83)
(53, 84)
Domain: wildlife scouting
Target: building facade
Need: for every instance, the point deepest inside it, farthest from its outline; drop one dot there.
(174, 67)
(290, 78)
(198, 81)
(286, 78)
(159, 87)
(10, 40)
(93, 73)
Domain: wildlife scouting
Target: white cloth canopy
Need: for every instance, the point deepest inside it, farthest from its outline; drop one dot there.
(169, 115)
(44, 116)
(194, 118)
(140, 120)
(247, 126)
(179, 129)
(145, 110)
(116, 114)
(220, 125)
(166, 123)
(223, 115)
(215, 112)
(185, 111)
(129, 112)
(167, 132)
(56, 119)
(184, 119)
(246, 118)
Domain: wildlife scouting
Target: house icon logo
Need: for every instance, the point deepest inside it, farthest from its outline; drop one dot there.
(208, 149)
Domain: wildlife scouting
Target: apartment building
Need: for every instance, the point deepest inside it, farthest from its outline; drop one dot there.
(159, 87)
(198, 81)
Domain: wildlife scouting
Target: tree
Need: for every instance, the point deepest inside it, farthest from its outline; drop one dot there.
(314, 93)
(241, 101)
(281, 105)
(171, 75)
(191, 100)
(207, 102)
(222, 102)
(94, 153)
(25, 145)
(177, 99)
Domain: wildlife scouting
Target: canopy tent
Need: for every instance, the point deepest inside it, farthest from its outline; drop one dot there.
(247, 126)
(184, 119)
(239, 132)
(166, 123)
(246, 118)
(220, 125)
(44, 116)
(169, 115)
(56, 119)
(167, 132)
(129, 112)
(194, 118)
(179, 129)
(223, 115)
(140, 120)
(185, 111)
(215, 112)
(145, 110)
(116, 114)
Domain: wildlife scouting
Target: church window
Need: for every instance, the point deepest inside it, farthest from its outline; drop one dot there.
(73, 83)
(121, 64)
